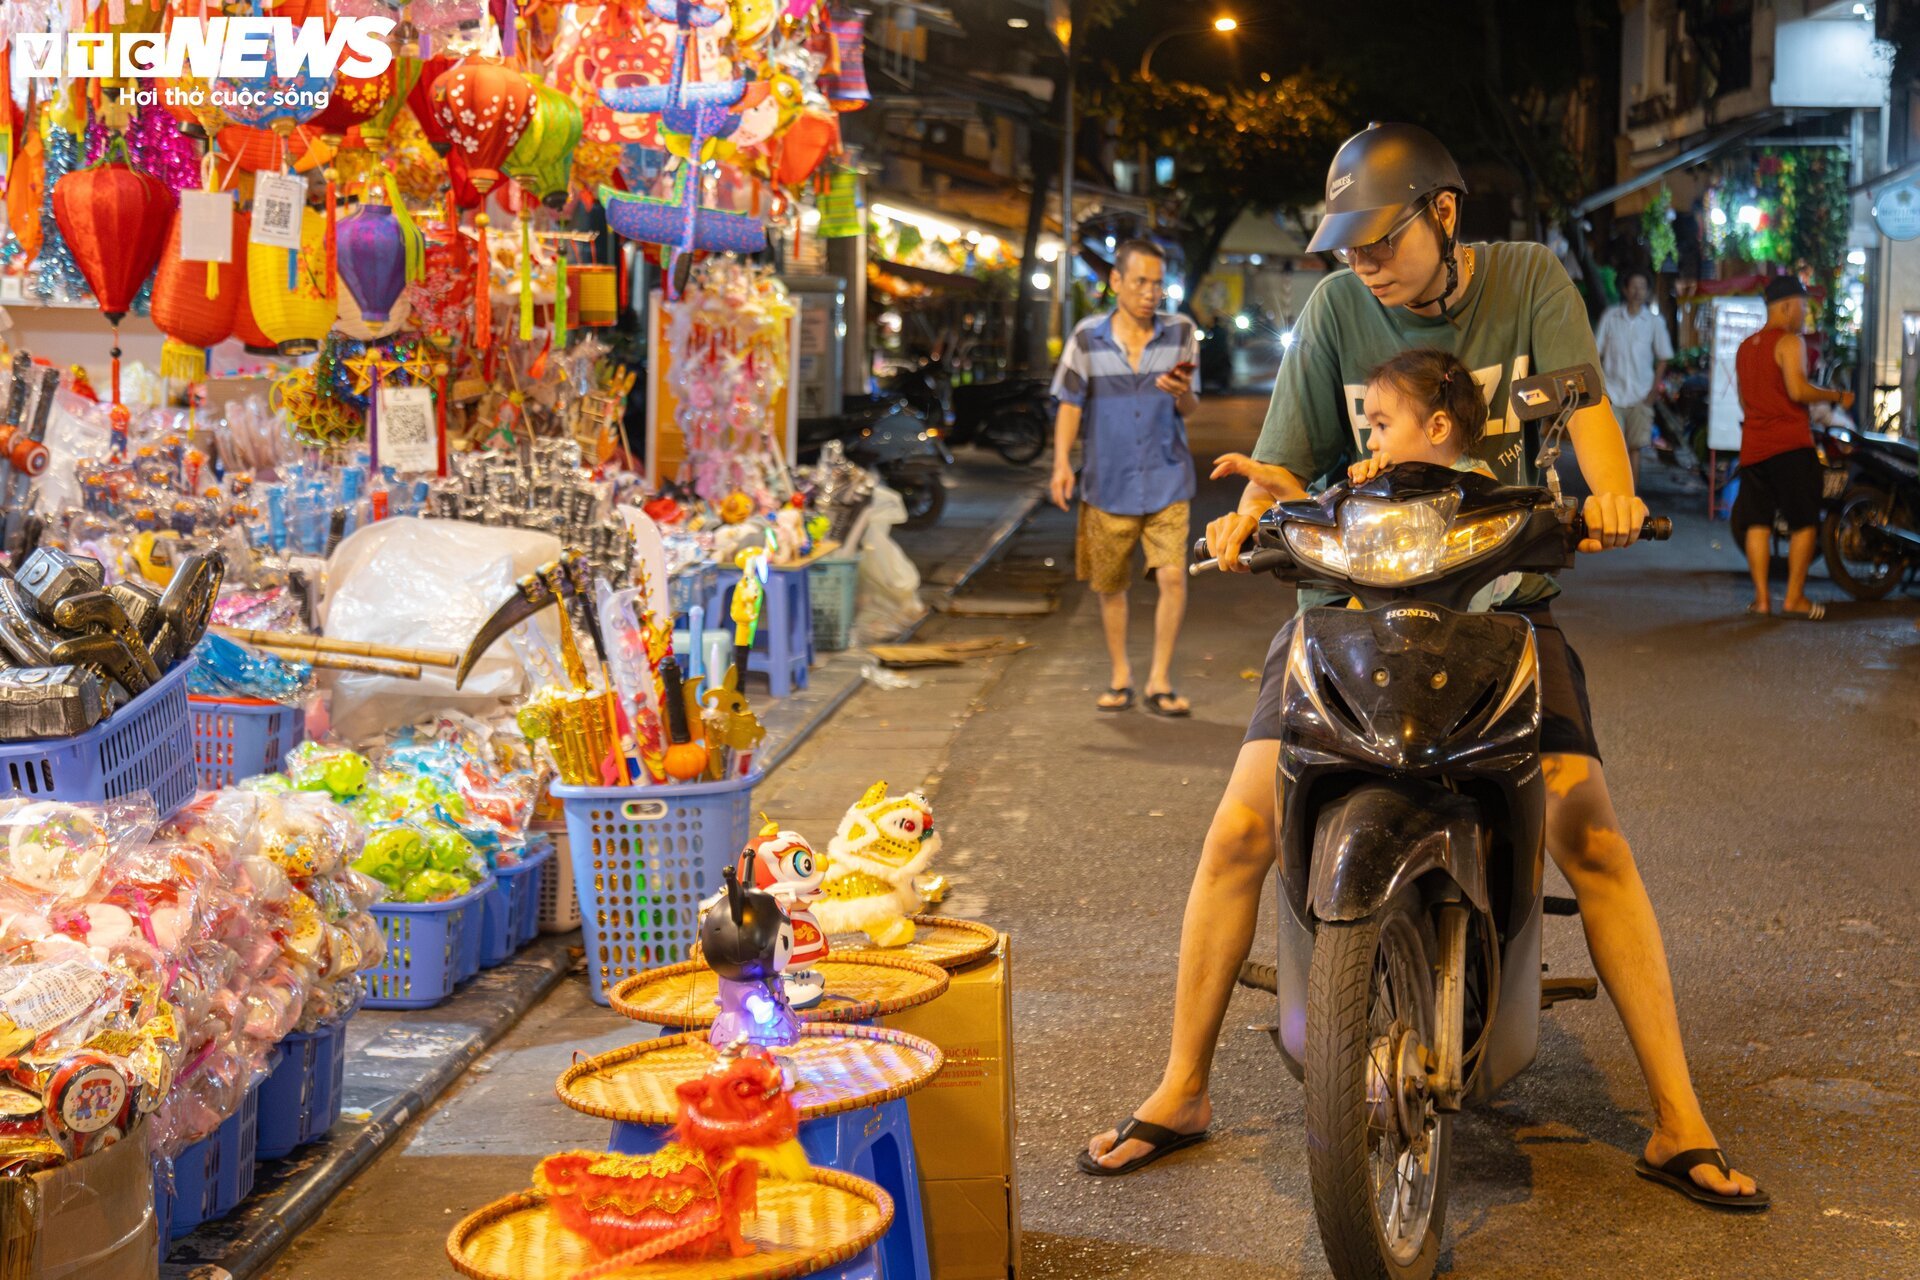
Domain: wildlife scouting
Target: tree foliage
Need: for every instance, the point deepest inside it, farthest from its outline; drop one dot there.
(1263, 147)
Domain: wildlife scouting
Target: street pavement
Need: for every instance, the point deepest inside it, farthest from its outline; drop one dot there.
(1763, 770)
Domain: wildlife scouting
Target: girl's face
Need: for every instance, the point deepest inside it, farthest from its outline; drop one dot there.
(1397, 429)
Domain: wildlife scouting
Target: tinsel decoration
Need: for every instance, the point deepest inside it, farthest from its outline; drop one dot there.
(55, 276)
(156, 146)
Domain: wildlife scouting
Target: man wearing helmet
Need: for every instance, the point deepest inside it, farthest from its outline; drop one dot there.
(1506, 310)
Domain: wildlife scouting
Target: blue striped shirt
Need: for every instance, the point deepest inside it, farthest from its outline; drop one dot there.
(1134, 459)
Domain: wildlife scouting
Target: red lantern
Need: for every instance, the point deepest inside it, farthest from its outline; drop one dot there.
(354, 99)
(420, 102)
(183, 309)
(484, 105)
(254, 150)
(115, 219)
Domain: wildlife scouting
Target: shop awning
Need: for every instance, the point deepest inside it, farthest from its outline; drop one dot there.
(946, 280)
(1703, 150)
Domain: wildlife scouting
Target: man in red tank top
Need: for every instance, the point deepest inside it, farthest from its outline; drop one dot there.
(1779, 471)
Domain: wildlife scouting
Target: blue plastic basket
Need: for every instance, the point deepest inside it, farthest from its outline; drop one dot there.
(643, 858)
(511, 915)
(473, 933)
(426, 950)
(146, 745)
(301, 1097)
(236, 738)
(216, 1173)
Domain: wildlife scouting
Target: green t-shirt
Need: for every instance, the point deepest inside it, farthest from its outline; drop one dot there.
(1521, 315)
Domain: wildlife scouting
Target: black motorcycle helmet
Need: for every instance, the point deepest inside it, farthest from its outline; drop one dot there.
(1378, 176)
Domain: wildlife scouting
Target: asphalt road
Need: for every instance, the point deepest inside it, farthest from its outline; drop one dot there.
(1764, 771)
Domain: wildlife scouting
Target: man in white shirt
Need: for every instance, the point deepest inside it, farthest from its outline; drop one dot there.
(1634, 350)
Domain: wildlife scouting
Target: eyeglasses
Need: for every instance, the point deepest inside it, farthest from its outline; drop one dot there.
(1381, 250)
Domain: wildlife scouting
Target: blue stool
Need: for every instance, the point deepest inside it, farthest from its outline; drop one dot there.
(875, 1143)
(783, 647)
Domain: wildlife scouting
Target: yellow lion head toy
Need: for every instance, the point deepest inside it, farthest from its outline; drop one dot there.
(882, 844)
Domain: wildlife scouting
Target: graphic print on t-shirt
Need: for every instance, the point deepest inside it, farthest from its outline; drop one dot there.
(1487, 379)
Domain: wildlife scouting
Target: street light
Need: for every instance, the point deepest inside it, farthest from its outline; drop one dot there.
(1225, 25)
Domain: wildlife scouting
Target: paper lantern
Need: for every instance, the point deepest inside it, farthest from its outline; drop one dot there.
(808, 140)
(352, 324)
(542, 161)
(442, 298)
(182, 310)
(115, 219)
(593, 300)
(245, 327)
(293, 317)
(420, 102)
(373, 247)
(847, 88)
(356, 99)
(375, 128)
(484, 106)
(252, 150)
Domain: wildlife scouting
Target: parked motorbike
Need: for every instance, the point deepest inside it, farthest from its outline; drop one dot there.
(1411, 828)
(1014, 417)
(886, 434)
(1871, 535)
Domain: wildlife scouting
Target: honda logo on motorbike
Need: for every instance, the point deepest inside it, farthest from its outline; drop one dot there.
(1428, 614)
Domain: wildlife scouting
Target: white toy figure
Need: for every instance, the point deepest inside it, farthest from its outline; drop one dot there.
(882, 844)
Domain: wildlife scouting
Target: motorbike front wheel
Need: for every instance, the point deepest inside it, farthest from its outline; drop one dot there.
(1378, 1152)
(924, 496)
(1020, 436)
(1861, 572)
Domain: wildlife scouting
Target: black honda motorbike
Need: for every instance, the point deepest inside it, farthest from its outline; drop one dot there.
(884, 433)
(1411, 817)
(1871, 535)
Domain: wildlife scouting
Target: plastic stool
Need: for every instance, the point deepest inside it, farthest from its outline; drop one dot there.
(783, 647)
(875, 1143)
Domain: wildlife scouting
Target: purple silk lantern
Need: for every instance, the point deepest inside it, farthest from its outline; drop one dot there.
(372, 247)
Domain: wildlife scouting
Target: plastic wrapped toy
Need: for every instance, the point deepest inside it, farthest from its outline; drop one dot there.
(688, 1199)
(228, 669)
(336, 770)
(882, 844)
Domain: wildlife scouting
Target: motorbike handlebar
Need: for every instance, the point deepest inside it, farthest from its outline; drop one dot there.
(1263, 559)
(1652, 529)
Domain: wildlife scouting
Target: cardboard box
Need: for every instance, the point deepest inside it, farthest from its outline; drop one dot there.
(963, 1124)
(94, 1219)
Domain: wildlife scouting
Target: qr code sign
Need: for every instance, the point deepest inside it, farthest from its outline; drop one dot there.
(278, 201)
(277, 212)
(409, 438)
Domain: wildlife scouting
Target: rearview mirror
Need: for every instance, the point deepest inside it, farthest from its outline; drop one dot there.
(1547, 395)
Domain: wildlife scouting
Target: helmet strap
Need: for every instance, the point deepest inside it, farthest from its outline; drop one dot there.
(1447, 254)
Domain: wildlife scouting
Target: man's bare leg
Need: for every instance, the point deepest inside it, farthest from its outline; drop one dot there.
(1759, 541)
(1584, 837)
(1215, 935)
(1113, 622)
(1800, 547)
(1167, 616)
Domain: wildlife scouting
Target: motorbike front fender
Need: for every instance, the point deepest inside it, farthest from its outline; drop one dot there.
(1385, 835)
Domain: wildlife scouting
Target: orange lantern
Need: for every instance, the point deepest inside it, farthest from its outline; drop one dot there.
(484, 106)
(194, 302)
(254, 150)
(294, 317)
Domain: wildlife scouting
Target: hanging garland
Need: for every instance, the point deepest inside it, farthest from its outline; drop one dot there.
(1786, 207)
(1656, 223)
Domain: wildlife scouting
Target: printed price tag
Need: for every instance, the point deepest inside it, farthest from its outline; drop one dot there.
(206, 226)
(406, 429)
(278, 201)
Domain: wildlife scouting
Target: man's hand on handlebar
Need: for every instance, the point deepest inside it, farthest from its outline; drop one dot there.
(1227, 535)
(1615, 518)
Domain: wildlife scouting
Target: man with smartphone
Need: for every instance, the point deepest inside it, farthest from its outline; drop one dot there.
(1127, 377)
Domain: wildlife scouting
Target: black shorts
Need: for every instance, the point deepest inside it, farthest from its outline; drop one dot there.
(1566, 718)
(1788, 483)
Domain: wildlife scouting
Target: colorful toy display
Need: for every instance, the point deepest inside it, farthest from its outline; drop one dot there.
(883, 843)
(736, 1125)
(783, 864)
(747, 940)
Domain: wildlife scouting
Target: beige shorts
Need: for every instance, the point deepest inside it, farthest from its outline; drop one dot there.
(1103, 550)
(1636, 422)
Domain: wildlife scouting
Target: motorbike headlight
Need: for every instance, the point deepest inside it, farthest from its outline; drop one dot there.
(1319, 547)
(1388, 543)
(1471, 539)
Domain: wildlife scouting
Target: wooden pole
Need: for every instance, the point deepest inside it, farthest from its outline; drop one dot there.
(324, 644)
(345, 662)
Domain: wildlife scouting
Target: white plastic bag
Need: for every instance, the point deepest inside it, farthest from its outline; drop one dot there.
(427, 584)
(888, 601)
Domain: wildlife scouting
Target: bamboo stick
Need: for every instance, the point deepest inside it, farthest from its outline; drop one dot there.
(324, 644)
(346, 662)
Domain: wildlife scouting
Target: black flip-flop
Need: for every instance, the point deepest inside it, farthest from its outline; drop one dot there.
(1814, 612)
(1676, 1173)
(1126, 692)
(1160, 1140)
(1157, 704)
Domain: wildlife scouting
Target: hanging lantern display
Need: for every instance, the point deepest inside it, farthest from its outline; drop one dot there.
(353, 324)
(277, 102)
(593, 296)
(245, 327)
(842, 211)
(376, 127)
(294, 317)
(439, 19)
(252, 150)
(378, 253)
(194, 302)
(542, 161)
(618, 52)
(484, 105)
(420, 170)
(847, 88)
(811, 138)
(442, 298)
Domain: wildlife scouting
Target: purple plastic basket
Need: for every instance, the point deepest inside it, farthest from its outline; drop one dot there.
(426, 950)
(146, 745)
(237, 738)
